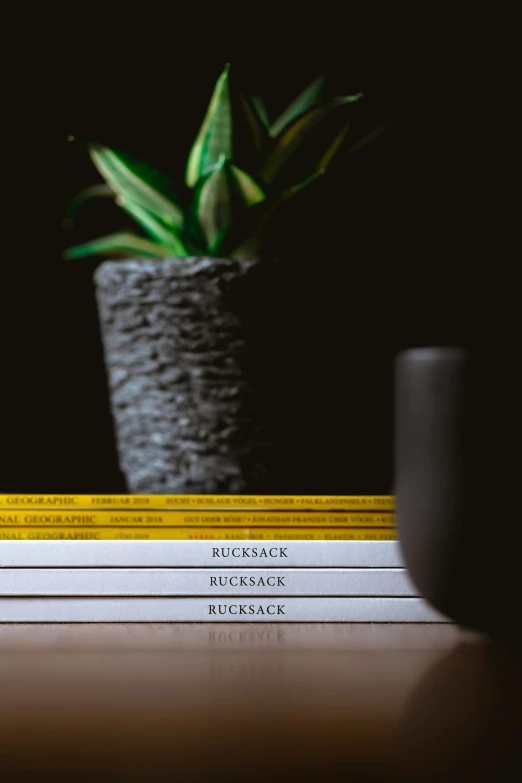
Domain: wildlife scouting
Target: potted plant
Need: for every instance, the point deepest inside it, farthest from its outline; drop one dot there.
(174, 307)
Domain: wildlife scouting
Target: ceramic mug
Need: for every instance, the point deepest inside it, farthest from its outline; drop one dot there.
(457, 467)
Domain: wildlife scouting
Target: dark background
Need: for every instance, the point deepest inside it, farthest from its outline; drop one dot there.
(395, 245)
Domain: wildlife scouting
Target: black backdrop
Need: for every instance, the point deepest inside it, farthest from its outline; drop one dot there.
(387, 242)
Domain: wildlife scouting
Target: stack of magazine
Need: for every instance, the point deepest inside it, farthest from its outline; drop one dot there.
(203, 558)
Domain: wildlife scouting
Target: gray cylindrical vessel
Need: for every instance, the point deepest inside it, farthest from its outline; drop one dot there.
(456, 456)
(177, 356)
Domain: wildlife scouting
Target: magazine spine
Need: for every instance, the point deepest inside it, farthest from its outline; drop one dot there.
(219, 609)
(209, 502)
(206, 581)
(177, 518)
(198, 554)
(26, 533)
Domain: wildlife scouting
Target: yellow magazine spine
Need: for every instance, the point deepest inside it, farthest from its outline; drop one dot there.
(219, 502)
(180, 518)
(193, 534)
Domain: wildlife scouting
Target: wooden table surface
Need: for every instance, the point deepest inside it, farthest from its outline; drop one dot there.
(256, 703)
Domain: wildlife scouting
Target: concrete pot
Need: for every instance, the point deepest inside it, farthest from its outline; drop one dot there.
(178, 359)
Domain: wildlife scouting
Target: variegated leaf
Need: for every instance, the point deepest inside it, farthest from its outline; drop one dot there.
(123, 244)
(137, 181)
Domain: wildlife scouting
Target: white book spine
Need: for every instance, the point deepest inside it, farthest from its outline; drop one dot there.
(215, 610)
(206, 581)
(200, 554)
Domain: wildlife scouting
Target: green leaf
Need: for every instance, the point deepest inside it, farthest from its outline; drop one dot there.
(230, 129)
(334, 146)
(261, 111)
(232, 241)
(290, 140)
(243, 238)
(136, 181)
(370, 136)
(96, 191)
(251, 192)
(215, 135)
(215, 202)
(223, 198)
(155, 228)
(304, 101)
(258, 130)
(127, 245)
(295, 189)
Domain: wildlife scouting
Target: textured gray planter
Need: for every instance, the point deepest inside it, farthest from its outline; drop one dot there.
(177, 355)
